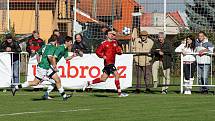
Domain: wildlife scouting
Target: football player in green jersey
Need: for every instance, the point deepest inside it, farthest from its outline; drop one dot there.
(45, 69)
(61, 51)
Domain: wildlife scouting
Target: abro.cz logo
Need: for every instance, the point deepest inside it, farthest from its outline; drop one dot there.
(83, 71)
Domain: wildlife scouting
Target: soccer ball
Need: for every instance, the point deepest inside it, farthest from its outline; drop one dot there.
(126, 31)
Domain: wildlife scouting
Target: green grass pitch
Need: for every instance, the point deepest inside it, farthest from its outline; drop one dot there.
(103, 106)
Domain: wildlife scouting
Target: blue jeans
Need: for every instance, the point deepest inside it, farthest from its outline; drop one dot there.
(203, 72)
(16, 71)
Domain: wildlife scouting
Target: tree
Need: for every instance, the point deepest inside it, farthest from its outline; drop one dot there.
(201, 15)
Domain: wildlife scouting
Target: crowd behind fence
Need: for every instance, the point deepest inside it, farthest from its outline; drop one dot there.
(138, 82)
(159, 61)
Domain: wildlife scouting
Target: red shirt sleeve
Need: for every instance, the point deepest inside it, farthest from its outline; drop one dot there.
(100, 51)
(118, 50)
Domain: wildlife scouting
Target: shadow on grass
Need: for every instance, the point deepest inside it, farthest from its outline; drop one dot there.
(42, 99)
(104, 96)
(37, 99)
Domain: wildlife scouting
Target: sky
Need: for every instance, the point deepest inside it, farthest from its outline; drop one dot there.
(157, 5)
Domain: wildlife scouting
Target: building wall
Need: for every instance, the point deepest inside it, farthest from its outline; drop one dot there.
(24, 22)
(156, 30)
(172, 28)
(170, 22)
(3, 21)
(126, 20)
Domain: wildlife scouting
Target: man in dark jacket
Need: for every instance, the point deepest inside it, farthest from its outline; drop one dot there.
(80, 45)
(162, 52)
(10, 45)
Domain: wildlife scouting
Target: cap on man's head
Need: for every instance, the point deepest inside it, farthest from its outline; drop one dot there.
(143, 33)
(8, 36)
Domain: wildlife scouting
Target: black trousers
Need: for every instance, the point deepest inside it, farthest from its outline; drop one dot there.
(189, 70)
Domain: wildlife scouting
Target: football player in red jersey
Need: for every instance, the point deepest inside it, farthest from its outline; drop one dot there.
(108, 50)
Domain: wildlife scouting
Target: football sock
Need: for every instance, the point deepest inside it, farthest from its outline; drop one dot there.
(25, 84)
(61, 91)
(95, 81)
(49, 89)
(117, 83)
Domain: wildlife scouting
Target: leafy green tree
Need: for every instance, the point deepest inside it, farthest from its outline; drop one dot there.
(201, 15)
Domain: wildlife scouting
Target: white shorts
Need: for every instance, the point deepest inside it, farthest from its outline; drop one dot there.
(44, 74)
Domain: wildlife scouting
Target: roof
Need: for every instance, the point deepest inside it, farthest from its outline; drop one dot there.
(147, 18)
(176, 15)
(84, 17)
(134, 2)
(104, 7)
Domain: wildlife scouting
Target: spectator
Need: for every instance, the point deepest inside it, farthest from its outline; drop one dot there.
(203, 46)
(34, 44)
(143, 44)
(10, 45)
(162, 52)
(80, 45)
(188, 62)
(60, 39)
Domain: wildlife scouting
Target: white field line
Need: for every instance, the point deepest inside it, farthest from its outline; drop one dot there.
(211, 110)
(21, 113)
(37, 112)
(62, 111)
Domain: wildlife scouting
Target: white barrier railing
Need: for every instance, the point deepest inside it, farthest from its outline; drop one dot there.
(13, 82)
(197, 76)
